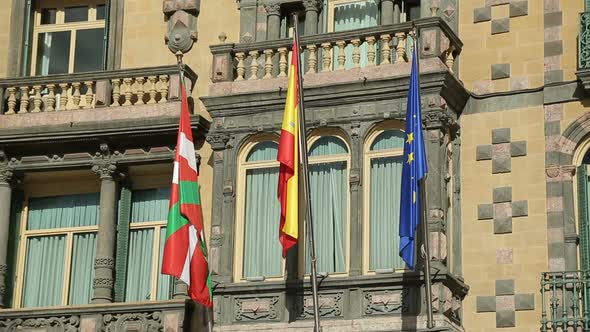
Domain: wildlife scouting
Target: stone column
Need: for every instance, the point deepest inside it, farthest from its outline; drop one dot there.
(105, 248)
(273, 20)
(5, 199)
(312, 8)
(356, 216)
(218, 143)
(387, 12)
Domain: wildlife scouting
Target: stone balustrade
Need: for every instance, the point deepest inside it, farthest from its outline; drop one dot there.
(66, 92)
(337, 51)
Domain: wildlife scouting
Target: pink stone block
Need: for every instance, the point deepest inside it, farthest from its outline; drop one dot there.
(552, 143)
(551, 6)
(552, 63)
(501, 150)
(519, 83)
(553, 112)
(555, 235)
(555, 204)
(482, 87)
(505, 302)
(552, 34)
(504, 256)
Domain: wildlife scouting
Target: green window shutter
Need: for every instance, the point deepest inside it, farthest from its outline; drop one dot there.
(122, 242)
(587, 5)
(583, 216)
(16, 208)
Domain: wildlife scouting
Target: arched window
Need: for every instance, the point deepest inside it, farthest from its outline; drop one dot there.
(383, 172)
(258, 251)
(328, 173)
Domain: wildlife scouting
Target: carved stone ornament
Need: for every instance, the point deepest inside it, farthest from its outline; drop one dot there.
(103, 283)
(181, 16)
(144, 322)
(57, 324)
(312, 5)
(218, 141)
(272, 8)
(385, 302)
(256, 309)
(330, 305)
(105, 162)
(104, 262)
(6, 172)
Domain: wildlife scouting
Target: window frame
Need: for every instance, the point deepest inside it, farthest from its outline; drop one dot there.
(37, 28)
(147, 182)
(314, 137)
(368, 155)
(40, 190)
(242, 167)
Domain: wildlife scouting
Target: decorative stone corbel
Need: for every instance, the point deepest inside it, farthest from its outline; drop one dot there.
(105, 162)
(181, 16)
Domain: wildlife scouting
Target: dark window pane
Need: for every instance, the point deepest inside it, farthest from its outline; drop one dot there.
(100, 12)
(53, 53)
(413, 12)
(76, 14)
(89, 50)
(48, 15)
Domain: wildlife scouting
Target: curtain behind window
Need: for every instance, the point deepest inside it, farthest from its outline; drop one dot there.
(329, 190)
(384, 198)
(356, 15)
(147, 206)
(45, 255)
(262, 249)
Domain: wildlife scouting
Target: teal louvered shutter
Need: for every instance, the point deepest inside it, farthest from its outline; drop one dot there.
(122, 242)
(587, 5)
(16, 208)
(583, 217)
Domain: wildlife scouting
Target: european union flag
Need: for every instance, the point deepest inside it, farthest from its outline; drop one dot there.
(414, 169)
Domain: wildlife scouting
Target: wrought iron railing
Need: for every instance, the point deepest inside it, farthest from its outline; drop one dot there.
(584, 41)
(565, 301)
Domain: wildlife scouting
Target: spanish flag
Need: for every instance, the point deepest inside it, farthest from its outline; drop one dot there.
(288, 158)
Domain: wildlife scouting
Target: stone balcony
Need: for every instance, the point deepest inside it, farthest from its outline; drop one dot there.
(332, 58)
(71, 99)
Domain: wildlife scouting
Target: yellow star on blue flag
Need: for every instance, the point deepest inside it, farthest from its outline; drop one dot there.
(413, 171)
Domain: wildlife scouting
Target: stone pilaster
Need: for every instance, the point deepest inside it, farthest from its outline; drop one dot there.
(356, 217)
(6, 177)
(312, 8)
(273, 20)
(104, 266)
(218, 143)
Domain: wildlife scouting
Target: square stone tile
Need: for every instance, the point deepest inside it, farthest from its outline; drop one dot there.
(485, 304)
(506, 318)
(502, 194)
(505, 287)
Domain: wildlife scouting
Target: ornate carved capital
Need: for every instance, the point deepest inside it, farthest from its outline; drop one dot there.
(312, 5)
(105, 163)
(439, 119)
(218, 141)
(355, 129)
(272, 7)
(182, 24)
(103, 283)
(104, 262)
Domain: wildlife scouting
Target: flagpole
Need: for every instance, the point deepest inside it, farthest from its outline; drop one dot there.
(427, 277)
(306, 190)
(207, 312)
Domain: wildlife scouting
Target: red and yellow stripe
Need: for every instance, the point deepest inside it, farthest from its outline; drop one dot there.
(288, 158)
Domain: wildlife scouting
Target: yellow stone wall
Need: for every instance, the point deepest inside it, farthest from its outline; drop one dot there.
(144, 29)
(522, 47)
(528, 239)
(4, 35)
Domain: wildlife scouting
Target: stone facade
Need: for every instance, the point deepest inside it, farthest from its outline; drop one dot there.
(505, 111)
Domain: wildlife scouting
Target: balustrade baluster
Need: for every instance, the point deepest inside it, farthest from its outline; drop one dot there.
(327, 57)
(89, 94)
(163, 89)
(24, 99)
(312, 59)
(254, 65)
(36, 99)
(140, 90)
(116, 91)
(341, 54)
(585, 294)
(543, 303)
(450, 58)
(63, 96)
(241, 67)
(563, 299)
(356, 53)
(152, 90)
(11, 101)
(385, 50)
(283, 51)
(50, 98)
(76, 94)
(128, 93)
(575, 299)
(401, 47)
(371, 51)
(268, 63)
(553, 300)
